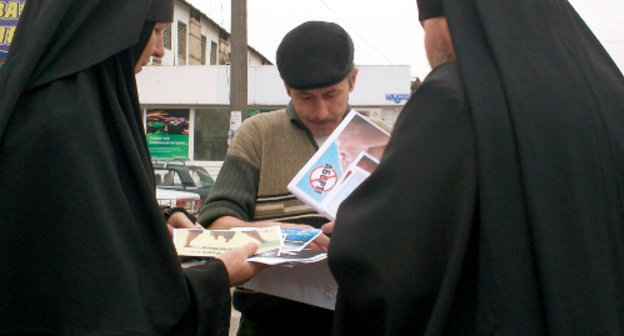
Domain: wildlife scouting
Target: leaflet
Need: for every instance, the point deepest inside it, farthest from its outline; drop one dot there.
(210, 243)
(272, 242)
(345, 160)
(289, 258)
(296, 239)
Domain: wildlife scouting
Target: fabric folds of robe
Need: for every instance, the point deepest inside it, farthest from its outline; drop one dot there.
(545, 250)
(85, 248)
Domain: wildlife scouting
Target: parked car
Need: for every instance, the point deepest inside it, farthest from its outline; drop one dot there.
(175, 198)
(176, 175)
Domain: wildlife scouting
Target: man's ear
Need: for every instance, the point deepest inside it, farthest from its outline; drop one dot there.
(353, 78)
(287, 88)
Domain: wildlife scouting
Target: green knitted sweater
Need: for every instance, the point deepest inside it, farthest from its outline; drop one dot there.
(266, 153)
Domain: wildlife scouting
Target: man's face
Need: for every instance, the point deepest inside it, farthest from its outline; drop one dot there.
(154, 47)
(321, 110)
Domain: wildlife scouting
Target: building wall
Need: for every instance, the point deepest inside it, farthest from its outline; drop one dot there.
(380, 92)
(377, 87)
(187, 49)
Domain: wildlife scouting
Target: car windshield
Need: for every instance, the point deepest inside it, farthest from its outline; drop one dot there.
(201, 177)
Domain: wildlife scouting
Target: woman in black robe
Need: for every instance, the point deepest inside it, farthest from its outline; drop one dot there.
(498, 206)
(85, 249)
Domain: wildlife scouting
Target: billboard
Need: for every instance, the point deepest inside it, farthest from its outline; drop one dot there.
(167, 132)
(10, 12)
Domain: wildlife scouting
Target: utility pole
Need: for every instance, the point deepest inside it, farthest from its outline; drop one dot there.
(238, 61)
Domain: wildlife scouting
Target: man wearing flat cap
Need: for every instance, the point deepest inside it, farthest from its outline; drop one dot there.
(498, 207)
(315, 61)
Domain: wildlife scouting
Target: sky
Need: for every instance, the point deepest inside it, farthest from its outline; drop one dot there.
(384, 32)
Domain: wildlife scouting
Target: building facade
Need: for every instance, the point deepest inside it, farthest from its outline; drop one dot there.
(195, 39)
(186, 94)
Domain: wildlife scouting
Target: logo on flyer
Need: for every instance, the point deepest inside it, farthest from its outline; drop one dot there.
(323, 178)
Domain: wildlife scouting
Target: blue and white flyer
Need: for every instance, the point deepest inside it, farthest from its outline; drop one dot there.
(321, 176)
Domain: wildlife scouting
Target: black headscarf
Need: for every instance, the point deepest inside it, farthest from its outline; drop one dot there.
(65, 37)
(160, 11)
(429, 8)
(84, 247)
(514, 222)
(547, 104)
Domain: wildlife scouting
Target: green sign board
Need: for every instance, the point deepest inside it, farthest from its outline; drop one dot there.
(167, 133)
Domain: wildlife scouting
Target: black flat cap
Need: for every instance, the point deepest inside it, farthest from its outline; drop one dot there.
(315, 54)
(429, 8)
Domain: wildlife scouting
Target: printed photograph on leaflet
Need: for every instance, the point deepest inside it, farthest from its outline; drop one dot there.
(322, 174)
(279, 245)
(289, 258)
(296, 239)
(358, 171)
(210, 243)
(293, 250)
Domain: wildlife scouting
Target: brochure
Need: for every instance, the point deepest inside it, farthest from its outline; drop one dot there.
(347, 158)
(357, 172)
(273, 242)
(288, 258)
(296, 239)
(310, 283)
(210, 243)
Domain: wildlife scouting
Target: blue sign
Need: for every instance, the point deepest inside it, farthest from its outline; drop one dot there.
(397, 97)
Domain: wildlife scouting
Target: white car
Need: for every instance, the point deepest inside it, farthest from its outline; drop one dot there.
(174, 198)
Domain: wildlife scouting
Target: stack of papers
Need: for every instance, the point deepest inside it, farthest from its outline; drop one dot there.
(289, 258)
(283, 246)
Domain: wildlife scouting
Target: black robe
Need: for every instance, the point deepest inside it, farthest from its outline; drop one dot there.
(85, 250)
(498, 205)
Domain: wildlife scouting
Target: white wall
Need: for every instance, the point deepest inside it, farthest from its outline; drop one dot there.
(180, 13)
(209, 85)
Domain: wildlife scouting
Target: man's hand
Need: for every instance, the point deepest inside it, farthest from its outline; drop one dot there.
(320, 243)
(328, 227)
(179, 220)
(238, 268)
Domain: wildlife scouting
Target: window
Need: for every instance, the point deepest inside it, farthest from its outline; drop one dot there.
(203, 49)
(167, 37)
(181, 43)
(201, 177)
(213, 53)
(211, 134)
(167, 178)
(224, 54)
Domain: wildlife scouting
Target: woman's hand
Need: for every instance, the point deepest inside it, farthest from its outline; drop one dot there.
(238, 268)
(180, 220)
